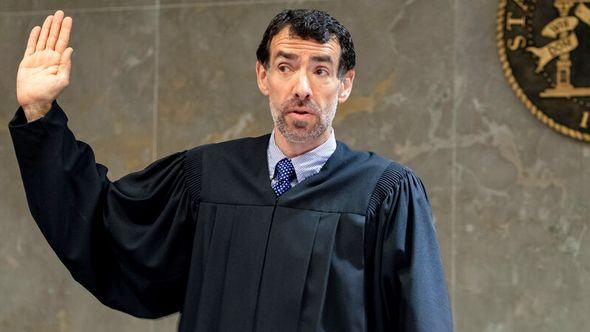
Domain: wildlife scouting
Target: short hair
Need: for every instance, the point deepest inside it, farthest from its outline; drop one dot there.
(309, 24)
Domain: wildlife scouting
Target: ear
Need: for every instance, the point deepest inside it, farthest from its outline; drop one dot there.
(346, 86)
(262, 78)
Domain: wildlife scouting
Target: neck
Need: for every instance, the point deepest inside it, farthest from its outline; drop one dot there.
(291, 149)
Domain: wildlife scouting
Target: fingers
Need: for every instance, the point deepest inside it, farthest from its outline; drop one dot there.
(44, 33)
(55, 28)
(65, 64)
(33, 36)
(64, 35)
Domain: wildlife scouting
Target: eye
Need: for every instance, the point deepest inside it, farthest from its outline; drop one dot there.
(283, 68)
(322, 72)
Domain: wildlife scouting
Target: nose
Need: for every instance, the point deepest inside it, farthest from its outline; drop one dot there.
(302, 89)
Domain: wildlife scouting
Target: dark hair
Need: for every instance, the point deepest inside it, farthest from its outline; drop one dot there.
(309, 24)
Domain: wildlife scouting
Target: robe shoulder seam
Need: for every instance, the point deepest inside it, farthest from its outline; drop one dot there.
(192, 163)
(387, 183)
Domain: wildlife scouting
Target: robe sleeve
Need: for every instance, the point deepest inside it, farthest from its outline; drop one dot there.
(129, 241)
(410, 292)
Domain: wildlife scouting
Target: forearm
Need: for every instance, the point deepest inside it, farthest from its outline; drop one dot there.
(58, 172)
(63, 185)
(107, 233)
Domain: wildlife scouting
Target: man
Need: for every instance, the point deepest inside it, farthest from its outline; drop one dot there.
(291, 231)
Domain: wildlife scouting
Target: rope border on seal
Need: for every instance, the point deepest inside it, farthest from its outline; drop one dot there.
(518, 91)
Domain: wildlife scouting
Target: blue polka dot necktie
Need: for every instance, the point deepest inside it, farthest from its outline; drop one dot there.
(284, 174)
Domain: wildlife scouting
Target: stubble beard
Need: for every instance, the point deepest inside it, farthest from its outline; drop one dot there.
(303, 131)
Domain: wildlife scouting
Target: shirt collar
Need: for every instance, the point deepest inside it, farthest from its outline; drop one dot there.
(306, 164)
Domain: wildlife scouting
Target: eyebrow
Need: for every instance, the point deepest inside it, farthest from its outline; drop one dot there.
(286, 55)
(321, 58)
(315, 58)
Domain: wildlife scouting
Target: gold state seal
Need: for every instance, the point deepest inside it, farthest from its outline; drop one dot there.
(544, 46)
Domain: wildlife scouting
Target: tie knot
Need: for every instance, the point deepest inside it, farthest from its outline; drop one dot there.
(284, 170)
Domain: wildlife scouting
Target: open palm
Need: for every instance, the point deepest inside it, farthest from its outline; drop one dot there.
(45, 68)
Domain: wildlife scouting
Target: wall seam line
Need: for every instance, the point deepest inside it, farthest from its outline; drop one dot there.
(156, 82)
(48, 11)
(454, 172)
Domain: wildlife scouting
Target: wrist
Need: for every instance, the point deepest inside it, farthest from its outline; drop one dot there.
(36, 111)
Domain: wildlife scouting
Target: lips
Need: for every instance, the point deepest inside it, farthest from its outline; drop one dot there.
(300, 114)
(301, 111)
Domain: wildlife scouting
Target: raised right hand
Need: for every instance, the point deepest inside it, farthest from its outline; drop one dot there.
(45, 68)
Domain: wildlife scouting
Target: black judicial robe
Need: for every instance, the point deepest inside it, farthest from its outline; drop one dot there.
(352, 248)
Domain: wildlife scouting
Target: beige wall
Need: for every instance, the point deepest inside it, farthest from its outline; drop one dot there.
(152, 77)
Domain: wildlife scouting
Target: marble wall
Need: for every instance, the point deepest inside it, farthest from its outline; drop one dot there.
(152, 77)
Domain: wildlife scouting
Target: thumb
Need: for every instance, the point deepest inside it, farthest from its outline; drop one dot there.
(65, 64)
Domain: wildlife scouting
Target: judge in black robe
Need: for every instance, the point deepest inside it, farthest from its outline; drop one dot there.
(351, 248)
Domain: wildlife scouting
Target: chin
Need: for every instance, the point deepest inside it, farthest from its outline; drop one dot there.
(302, 135)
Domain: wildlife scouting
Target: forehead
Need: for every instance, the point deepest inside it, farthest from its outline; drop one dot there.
(286, 42)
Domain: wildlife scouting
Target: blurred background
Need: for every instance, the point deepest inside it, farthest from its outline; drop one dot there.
(152, 77)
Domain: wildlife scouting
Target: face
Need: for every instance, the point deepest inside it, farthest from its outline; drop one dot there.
(303, 86)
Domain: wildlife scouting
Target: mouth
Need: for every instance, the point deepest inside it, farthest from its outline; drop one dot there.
(301, 111)
(301, 114)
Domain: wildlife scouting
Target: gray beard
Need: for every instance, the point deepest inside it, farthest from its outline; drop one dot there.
(291, 136)
(295, 137)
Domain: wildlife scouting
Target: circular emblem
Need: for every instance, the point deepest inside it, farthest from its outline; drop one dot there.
(544, 46)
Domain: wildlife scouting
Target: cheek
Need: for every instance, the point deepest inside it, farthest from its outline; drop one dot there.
(274, 101)
(277, 93)
(326, 94)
